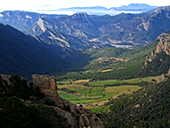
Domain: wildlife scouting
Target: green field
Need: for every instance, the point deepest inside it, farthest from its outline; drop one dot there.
(96, 96)
(126, 89)
(106, 109)
(96, 91)
(69, 96)
(82, 90)
(97, 110)
(114, 82)
(152, 79)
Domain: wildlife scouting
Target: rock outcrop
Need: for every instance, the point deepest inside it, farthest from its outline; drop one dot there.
(163, 45)
(5, 78)
(48, 87)
(150, 58)
(76, 116)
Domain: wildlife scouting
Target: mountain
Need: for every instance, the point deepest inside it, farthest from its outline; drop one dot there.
(22, 20)
(24, 55)
(139, 29)
(123, 30)
(60, 43)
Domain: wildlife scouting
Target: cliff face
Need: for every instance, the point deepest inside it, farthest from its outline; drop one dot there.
(76, 116)
(48, 87)
(163, 45)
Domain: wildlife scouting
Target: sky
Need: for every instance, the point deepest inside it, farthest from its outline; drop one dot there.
(49, 5)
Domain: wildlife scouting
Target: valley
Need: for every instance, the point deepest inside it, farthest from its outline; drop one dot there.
(85, 70)
(93, 95)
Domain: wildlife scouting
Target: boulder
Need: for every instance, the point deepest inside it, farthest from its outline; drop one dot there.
(48, 87)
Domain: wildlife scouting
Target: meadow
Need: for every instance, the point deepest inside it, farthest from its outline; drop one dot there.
(114, 82)
(96, 95)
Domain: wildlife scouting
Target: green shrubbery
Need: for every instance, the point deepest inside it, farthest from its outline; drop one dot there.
(14, 113)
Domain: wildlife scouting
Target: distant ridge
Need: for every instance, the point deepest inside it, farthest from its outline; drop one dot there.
(133, 8)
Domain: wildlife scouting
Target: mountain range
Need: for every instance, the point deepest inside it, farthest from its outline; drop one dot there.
(123, 30)
(99, 10)
(62, 35)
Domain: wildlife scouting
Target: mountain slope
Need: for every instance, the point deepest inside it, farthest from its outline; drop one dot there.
(22, 20)
(23, 55)
(123, 30)
(149, 107)
(139, 29)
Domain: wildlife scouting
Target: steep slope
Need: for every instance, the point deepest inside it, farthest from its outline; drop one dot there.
(78, 25)
(39, 105)
(139, 29)
(22, 20)
(62, 44)
(123, 30)
(23, 55)
(149, 107)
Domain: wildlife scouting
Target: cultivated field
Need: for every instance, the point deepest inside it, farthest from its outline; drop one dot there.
(115, 82)
(96, 95)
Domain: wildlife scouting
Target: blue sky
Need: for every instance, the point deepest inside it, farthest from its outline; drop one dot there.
(47, 5)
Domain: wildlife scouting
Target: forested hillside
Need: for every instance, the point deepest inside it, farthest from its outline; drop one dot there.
(23, 55)
(123, 63)
(148, 107)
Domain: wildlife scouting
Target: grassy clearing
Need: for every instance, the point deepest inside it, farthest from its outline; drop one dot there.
(150, 78)
(106, 109)
(82, 81)
(93, 95)
(107, 70)
(96, 91)
(63, 82)
(69, 96)
(82, 90)
(97, 109)
(114, 82)
(126, 89)
(110, 92)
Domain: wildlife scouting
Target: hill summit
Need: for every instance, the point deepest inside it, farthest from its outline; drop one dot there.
(80, 16)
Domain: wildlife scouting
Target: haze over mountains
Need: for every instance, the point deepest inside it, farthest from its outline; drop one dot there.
(123, 30)
(61, 35)
(99, 10)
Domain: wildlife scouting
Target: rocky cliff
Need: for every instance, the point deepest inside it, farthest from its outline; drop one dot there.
(163, 45)
(76, 116)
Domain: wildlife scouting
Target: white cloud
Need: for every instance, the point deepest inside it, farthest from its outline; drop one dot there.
(56, 4)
